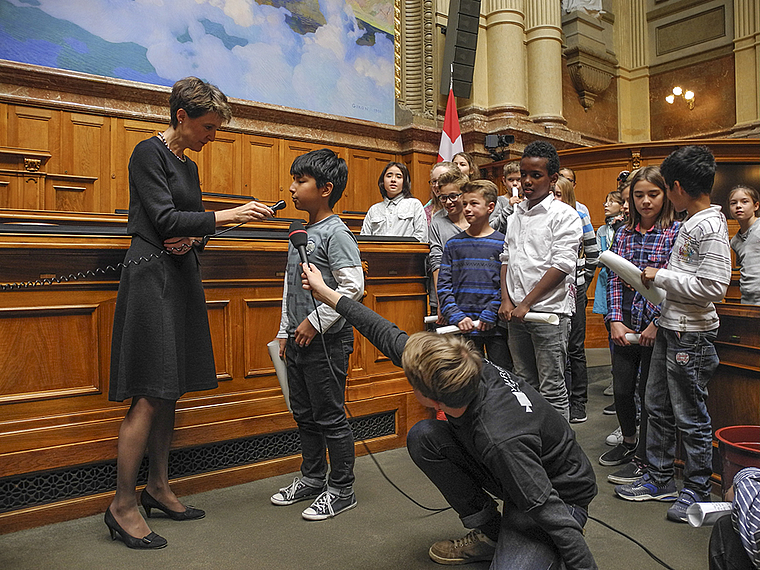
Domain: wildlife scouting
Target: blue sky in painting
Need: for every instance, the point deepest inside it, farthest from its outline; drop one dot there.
(308, 54)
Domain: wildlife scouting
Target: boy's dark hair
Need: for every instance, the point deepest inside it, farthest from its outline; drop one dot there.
(693, 167)
(543, 149)
(324, 166)
(406, 187)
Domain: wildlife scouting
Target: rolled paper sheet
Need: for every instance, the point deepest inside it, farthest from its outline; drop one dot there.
(631, 274)
(430, 319)
(453, 328)
(633, 338)
(707, 513)
(280, 369)
(549, 318)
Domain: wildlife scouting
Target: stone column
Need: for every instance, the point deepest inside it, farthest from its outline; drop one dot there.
(633, 71)
(746, 60)
(544, 50)
(505, 33)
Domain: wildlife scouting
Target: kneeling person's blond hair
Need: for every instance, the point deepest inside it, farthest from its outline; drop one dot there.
(444, 368)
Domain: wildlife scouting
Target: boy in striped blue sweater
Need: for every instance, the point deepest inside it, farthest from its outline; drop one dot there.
(469, 292)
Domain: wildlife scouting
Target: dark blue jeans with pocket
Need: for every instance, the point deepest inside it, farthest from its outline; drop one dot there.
(317, 397)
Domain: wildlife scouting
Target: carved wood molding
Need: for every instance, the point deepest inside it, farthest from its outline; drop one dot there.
(414, 27)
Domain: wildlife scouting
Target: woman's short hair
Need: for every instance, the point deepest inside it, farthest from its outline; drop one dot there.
(406, 187)
(197, 98)
(652, 175)
(444, 368)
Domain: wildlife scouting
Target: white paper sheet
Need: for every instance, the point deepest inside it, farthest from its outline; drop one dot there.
(280, 369)
(707, 513)
(549, 318)
(631, 274)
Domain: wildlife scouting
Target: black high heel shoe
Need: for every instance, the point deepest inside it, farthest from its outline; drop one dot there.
(150, 541)
(190, 513)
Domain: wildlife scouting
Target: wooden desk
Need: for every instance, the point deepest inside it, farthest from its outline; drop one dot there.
(58, 430)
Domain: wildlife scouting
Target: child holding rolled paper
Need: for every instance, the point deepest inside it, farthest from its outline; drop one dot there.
(684, 357)
(468, 278)
(538, 274)
(645, 240)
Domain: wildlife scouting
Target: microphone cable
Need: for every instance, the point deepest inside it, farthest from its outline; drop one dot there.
(92, 273)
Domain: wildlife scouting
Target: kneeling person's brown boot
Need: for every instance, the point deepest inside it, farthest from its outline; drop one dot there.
(473, 547)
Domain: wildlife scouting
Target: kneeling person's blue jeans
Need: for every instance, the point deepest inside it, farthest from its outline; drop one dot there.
(467, 486)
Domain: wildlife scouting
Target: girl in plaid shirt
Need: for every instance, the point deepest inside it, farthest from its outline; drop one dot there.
(646, 240)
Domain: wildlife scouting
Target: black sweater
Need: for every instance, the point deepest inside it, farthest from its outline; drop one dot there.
(526, 445)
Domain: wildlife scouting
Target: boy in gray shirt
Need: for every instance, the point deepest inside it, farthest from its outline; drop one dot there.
(317, 371)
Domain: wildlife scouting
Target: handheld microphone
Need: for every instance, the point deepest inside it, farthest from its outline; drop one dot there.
(278, 205)
(298, 237)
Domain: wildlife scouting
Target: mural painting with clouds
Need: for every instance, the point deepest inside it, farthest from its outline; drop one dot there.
(329, 56)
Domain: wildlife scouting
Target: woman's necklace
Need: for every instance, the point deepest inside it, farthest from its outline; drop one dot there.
(180, 158)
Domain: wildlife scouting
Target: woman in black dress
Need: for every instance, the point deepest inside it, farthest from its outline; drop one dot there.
(161, 344)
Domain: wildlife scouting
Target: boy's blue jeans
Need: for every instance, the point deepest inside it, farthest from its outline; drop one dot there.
(676, 398)
(317, 400)
(539, 353)
(466, 484)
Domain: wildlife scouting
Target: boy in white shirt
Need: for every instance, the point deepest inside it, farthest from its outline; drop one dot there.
(538, 274)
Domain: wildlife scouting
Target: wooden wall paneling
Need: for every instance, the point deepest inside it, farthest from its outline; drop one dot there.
(261, 169)
(364, 168)
(40, 363)
(220, 164)
(220, 325)
(128, 133)
(70, 193)
(419, 166)
(289, 150)
(32, 127)
(85, 151)
(8, 185)
(261, 321)
(4, 109)
(21, 190)
(396, 304)
(57, 360)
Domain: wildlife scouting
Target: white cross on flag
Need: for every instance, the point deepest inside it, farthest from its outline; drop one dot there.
(451, 137)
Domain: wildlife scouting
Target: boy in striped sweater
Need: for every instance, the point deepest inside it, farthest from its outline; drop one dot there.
(468, 280)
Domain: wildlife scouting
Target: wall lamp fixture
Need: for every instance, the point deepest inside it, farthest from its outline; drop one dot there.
(687, 95)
